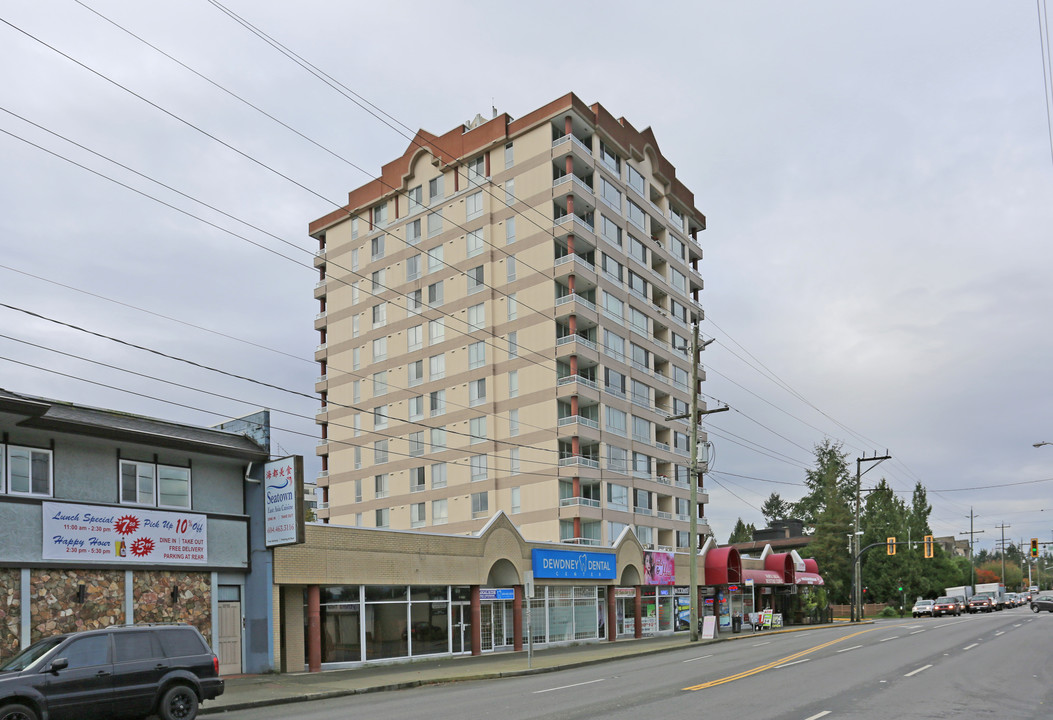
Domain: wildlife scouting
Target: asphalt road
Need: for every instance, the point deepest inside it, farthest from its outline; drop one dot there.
(995, 665)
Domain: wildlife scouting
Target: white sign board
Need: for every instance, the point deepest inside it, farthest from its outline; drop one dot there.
(709, 627)
(99, 533)
(283, 501)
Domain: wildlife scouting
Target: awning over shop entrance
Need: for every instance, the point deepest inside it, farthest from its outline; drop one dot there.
(723, 566)
(762, 577)
(781, 563)
(807, 578)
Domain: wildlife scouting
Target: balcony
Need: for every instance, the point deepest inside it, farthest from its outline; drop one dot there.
(579, 420)
(643, 511)
(581, 541)
(323, 479)
(319, 258)
(320, 290)
(579, 461)
(575, 223)
(577, 380)
(576, 501)
(577, 145)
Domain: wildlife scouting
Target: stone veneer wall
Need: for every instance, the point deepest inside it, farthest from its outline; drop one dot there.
(152, 598)
(53, 600)
(10, 611)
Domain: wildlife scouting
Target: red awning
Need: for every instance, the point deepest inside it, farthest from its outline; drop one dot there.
(781, 563)
(809, 578)
(762, 577)
(723, 566)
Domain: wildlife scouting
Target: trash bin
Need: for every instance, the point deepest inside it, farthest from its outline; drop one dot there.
(736, 623)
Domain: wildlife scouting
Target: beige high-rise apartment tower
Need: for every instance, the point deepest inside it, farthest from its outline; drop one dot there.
(505, 320)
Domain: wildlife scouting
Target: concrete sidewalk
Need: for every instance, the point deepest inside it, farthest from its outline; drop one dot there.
(248, 691)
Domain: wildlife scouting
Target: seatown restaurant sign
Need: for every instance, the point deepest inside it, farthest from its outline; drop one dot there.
(283, 501)
(100, 533)
(574, 564)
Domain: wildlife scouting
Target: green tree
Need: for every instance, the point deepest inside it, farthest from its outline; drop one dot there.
(775, 508)
(829, 513)
(883, 515)
(829, 481)
(741, 533)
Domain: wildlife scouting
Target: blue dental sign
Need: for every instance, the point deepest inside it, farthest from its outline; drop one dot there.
(573, 564)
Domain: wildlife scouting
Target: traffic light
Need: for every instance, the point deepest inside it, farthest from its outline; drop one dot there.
(1034, 547)
(891, 545)
(900, 588)
(928, 546)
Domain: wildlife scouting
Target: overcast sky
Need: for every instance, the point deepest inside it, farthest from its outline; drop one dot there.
(876, 176)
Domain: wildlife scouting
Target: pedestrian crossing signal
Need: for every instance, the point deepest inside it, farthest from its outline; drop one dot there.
(928, 546)
(891, 545)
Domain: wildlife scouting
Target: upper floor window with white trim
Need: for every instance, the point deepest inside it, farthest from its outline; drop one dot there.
(415, 195)
(435, 190)
(26, 471)
(473, 205)
(477, 170)
(636, 179)
(610, 158)
(144, 483)
(376, 246)
(380, 214)
(473, 242)
(510, 157)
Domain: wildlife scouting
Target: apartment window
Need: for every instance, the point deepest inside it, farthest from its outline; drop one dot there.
(380, 315)
(610, 194)
(615, 345)
(513, 461)
(510, 191)
(515, 502)
(436, 331)
(645, 535)
(509, 156)
(638, 319)
(434, 223)
(641, 429)
(356, 358)
(416, 407)
(438, 475)
(682, 475)
(640, 356)
(477, 429)
(614, 530)
(617, 497)
(510, 231)
(355, 325)
(416, 443)
(437, 402)
(612, 267)
(354, 256)
(382, 517)
(610, 158)
(679, 249)
(476, 169)
(138, 483)
(413, 232)
(513, 344)
(636, 216)
(439, 512)
(617, 458)
(637, 249)
(478, 466)
(380, 417)
(614, 382)
(415, 195)
(477, 392)
(358, 463)
(678, 310)
(354, 228)
(513, 306)
(613, 306)
(480, 504)
(29, 472)
(412, 267)
(641, 463)
(437, 366)
(610, 231)
(683, 538)
(380, 486)
(680, 345)
(513, 383)
(636, 179)
(417, 514)
(510, 268)
(641, 393)
(380, 348)
(435, 190)
(435, 261)
(473, 242)
(356, 424)
(676, 219)
(354, 293)
(678, 280)
(438, 439)
(415, 372)
(380, 451)
(680, 441)
(415, 337)
(637, 284)
(376, 246)
(378, 281)
(681, 377)
(475, 279)
(435, 294)
(476, 355)
(476, 317)
(513, 422)
(474, 205)
(380, 383)
(358, 488)
(380, 214)
(356, 389)
(616, 421)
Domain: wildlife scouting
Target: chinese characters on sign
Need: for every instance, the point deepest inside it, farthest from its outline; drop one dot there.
(123, 534)
(283, 501)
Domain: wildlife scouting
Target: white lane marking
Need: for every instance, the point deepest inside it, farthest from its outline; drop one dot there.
(763, 643)
(824, 713)
(951, 623)
(1000, 632)
(915, 672)
(854, 647)
(792, 663)
(912, 626)
(917, 631)
(698, 658)
(891, 638)
(564, 687)
(1018, 624)
(970, 647)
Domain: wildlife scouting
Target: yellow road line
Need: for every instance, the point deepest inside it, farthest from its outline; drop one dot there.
(774, 663)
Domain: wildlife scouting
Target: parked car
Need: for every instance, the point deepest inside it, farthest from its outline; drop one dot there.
(945, 606)
(1042, 601)
(981, 602)
(118, 672)
(922, 607)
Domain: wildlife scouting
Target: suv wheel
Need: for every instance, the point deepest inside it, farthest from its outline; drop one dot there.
(17, 712)
(178, 703)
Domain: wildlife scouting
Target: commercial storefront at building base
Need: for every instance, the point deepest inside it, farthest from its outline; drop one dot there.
(352, 595)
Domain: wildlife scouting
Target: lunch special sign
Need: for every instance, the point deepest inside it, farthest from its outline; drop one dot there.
(99, 533)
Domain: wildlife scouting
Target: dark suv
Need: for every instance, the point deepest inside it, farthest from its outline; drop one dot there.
(120, 672)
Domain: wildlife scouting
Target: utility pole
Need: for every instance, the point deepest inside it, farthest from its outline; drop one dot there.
(857, 585)
(1003, 526)
(972, 555)
(695, 414)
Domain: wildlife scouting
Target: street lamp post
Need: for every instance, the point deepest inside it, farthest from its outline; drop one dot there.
(1040, 444)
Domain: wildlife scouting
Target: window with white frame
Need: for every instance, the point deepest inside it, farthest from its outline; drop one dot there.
(380, 314)
(415, 372)
(354, 258)
(416, 407)
(436, 331)
(480, 504)
(509, 156)
(437, 402)
(417, 515)
(378, 280)
(437, 366)
(513, 306)
(382, 516)
(514, 498)
(439, 512)
(641, 429)
(380, 451)
(476, 169)
(358, 463)
(473, 205)
(358, 488)
(376, 246)
(435, 261)
(438, 439)
(473, 240)
(380, 348)
(380, 383)
(415, 196)
(513, 422)
(413, 232)
(610, 231)
(477, 429)
(380, 486)
(435, 190)
(510, 231)
(616, 421)
(613, 306)
(476, 317)
(510, 191)
(636, 216)
(355, 293)
(617, 459)
(510, 268)
(412, 267)
(478, 465)
(617, 497)
(434, 223)
(614, 344)
(438, 475)
(476, 355)
(415, 337)
(414, 302)
(513, 383)
(477, 392)
(435, 294)
(416, 443)
(356, 423)
(356, 390)
(513, 344)
(380, 214)
(513, 461)
(475, 279)
(27, 471)
(380, 417)
(355, 325)
(354, 228)
(636, 179)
